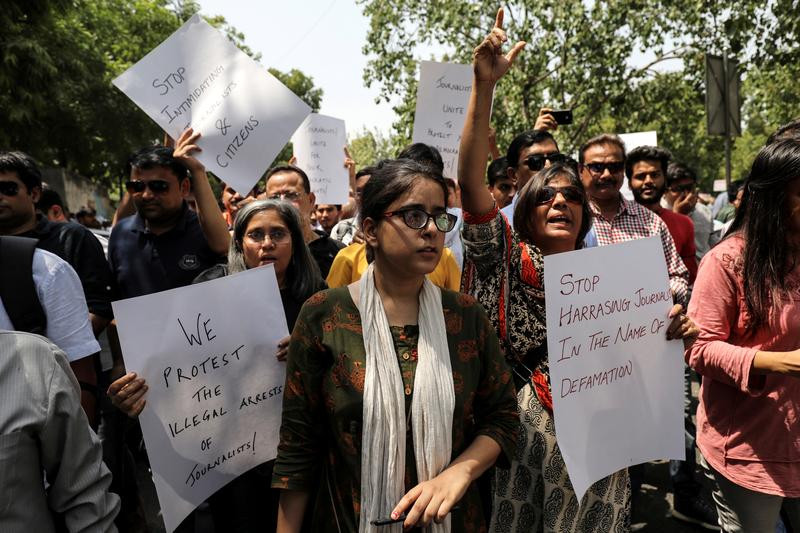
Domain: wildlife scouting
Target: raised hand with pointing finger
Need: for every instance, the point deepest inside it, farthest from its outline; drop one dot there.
(489, 62)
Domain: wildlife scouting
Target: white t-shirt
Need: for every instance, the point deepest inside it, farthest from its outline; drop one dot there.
(61, 295)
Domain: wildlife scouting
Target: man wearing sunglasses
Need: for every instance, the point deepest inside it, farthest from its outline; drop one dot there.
(165, 244)
(527, 154)
(20, 189)
(681, 197)
(615, 219)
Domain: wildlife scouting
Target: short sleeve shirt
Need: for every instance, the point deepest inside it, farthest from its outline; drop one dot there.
(61, 297)
(79, 247)
(145, 263)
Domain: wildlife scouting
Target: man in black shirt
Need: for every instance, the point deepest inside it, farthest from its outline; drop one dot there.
(290, 183)
(165, 244)
(20, 189)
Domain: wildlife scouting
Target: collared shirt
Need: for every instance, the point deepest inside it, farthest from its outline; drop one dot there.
(79, 247)
(144, 262)
(43, 429)
(61, 297)
(633, 221)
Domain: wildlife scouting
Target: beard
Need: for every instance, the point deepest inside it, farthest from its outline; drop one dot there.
(651, 199)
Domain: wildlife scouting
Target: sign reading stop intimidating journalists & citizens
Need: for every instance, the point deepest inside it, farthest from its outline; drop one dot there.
(199, 78)
(215, 386)
(617, 382)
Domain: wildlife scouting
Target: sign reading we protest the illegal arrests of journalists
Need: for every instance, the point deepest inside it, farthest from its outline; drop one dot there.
(199, 78)
(215, 386)
(319, 145)
(617, 382)
(442, 98)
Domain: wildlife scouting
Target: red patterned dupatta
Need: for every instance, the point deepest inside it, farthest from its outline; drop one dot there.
(531, 277)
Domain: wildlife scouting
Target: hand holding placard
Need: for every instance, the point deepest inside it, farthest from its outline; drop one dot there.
(612, 370)
(197, 78)
(213, 388)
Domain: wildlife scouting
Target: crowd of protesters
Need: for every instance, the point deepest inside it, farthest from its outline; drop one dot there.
(418, 389)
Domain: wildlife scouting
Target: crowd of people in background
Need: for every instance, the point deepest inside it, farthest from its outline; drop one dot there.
(418, 390)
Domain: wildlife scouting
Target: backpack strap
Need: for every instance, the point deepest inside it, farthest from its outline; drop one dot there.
(17, 290)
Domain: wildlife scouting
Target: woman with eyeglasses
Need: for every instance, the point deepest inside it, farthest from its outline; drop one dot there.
(504, 270)
(396, 397)
(264, 232)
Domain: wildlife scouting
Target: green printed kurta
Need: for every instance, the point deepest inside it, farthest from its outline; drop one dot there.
(320, 437)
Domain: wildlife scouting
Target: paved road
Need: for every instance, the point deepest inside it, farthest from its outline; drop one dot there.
(653, 515)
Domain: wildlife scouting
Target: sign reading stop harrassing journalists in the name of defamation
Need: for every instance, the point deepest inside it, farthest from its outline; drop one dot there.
(215, 387)
(617, 382)
(199, 78)
(442, 98)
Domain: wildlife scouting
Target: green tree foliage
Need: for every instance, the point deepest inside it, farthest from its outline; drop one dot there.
(370, 146)
(58, 60)
(605, 59)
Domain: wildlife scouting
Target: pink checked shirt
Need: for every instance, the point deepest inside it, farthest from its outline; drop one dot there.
(633, 221)
(748, 425)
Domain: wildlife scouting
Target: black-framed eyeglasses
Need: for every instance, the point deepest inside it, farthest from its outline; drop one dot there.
(688, 187)
(571, 194)
(536, 162)
(155, 186)
(9, 188)
(614, 167)
(276, 236)
(416, 218)
(291, 196)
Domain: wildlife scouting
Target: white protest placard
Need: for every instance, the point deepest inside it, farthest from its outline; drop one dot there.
(213, 409)
(442, 98)
(635, 140)
(617, 382)
(319, 145)
(197, 77)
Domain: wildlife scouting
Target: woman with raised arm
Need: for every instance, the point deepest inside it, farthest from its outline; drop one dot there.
(396, 397)
(746, 302)
(503, 269)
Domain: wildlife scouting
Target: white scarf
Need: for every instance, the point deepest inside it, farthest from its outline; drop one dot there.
(383, 442)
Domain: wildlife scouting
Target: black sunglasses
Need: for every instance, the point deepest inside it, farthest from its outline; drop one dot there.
(536, 162)
(615, 167)
(571, 194)
(418, 219)
(9, 188)
(155, 186)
